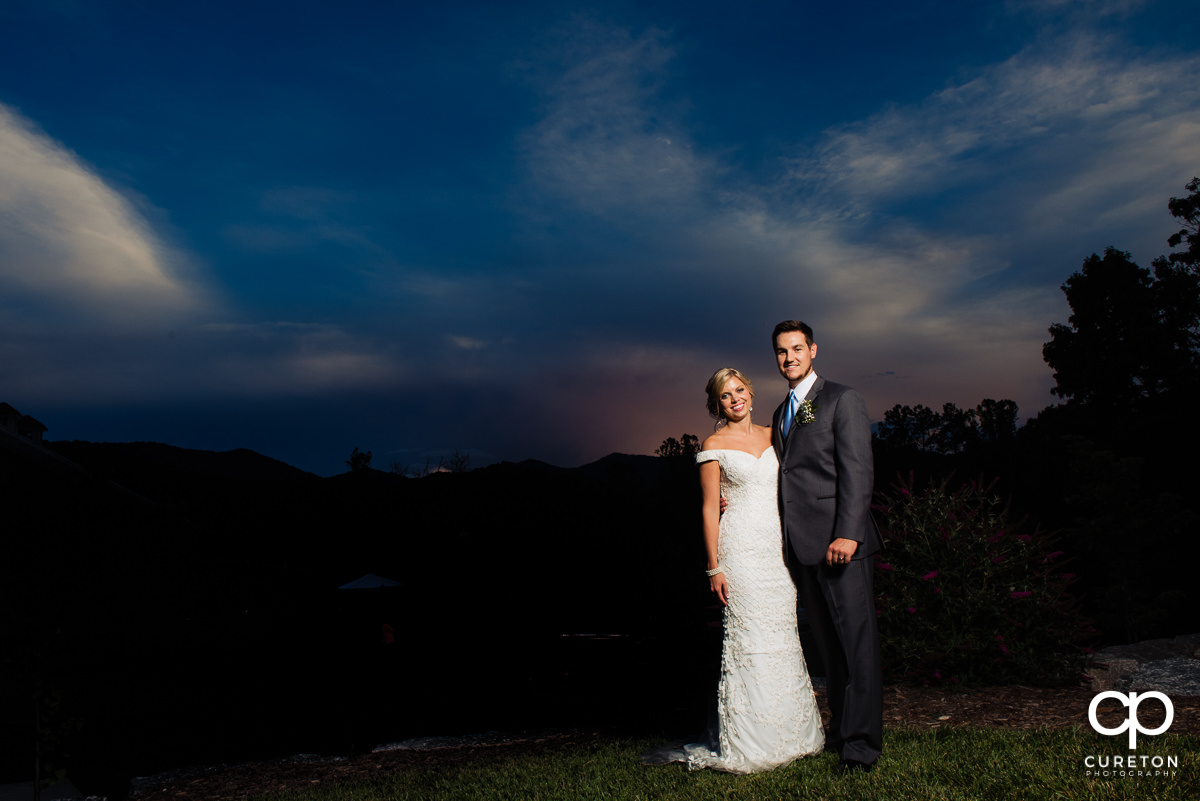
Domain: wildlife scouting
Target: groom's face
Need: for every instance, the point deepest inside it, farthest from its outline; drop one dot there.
(794, 356)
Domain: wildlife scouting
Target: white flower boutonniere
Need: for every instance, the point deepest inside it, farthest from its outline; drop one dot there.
(806, 412)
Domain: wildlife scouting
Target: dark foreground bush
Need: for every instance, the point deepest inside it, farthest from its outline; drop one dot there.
(967, 595)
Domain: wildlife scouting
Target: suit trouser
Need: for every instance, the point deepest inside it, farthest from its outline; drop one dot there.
(840, 605)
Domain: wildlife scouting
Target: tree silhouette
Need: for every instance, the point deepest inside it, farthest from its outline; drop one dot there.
(1186, 209)
(1109, 355)
(909, 429)
(459, 461)
(1131, 346)
(997, 420)
(672, 448)
(958, 430)
(359, 460)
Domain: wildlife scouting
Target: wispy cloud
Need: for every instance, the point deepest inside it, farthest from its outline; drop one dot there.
(926, 241)
(629, 257)
(297, 218)
(1078, 8)
(606, 141)
(1074, 105)
(72, 247)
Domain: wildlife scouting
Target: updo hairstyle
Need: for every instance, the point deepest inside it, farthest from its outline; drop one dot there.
(717, 383)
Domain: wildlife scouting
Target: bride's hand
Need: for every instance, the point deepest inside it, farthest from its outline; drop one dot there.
(721, 587)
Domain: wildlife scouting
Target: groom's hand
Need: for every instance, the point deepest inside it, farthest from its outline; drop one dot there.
(840, 551)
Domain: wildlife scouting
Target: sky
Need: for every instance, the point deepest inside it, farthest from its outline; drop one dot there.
(534, 229)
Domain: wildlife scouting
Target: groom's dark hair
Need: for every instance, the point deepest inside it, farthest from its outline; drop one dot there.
(792, 325)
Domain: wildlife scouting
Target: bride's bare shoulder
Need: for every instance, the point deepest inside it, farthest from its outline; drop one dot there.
(714, 442)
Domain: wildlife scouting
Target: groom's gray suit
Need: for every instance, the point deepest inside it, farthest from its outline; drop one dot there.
(825, 486)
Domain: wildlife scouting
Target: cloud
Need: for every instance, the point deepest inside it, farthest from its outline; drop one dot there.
(205, 362)
(1076, 8)
(928, 239)
(607, 140)
(925, 242)
(302, 218)
(1074, 105)
(72, 247)
(949, 223)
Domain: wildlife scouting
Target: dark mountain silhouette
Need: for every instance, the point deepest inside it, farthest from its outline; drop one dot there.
(241, 464)
(160, 593)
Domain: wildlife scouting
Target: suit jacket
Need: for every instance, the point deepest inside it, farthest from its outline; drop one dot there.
(827, 474)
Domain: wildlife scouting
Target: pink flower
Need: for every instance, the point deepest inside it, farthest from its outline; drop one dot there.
(929, 576)
(1054, 555)
(953, 680)
(937, 675)
(936, 590)
(998, 559)
(884, 566)
(878, 613)
(1021, 594)
(912, 610)
(903, 491)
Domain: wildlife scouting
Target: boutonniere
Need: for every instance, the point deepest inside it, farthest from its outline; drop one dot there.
(806, 412)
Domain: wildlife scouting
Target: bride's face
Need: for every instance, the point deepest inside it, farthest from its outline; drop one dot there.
(735, 400)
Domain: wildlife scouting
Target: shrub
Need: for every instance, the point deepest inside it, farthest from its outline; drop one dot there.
(964, 594)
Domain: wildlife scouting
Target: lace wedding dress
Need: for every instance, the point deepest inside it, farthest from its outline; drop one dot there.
(766, 711)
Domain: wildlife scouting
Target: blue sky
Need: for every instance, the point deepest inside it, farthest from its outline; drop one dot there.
(535, 229)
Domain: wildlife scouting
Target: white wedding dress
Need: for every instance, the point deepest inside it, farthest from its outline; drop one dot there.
(766, 712)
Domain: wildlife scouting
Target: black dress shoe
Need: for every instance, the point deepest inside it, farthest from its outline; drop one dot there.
(848, 766)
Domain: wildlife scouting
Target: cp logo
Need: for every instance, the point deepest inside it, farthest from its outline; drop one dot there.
(1133, 724)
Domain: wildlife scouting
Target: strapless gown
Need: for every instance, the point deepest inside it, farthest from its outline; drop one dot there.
(766, 711)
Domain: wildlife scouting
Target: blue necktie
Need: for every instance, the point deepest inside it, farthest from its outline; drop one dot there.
(790, 414)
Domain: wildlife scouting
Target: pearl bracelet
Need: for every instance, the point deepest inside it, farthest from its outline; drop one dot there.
(714, 571)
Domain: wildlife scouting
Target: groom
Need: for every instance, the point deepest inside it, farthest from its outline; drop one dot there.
(826, 477)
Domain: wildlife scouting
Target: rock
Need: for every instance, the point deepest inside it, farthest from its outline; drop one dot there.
(1178, 676)
(1107, 673)
(1153, 650)
(1115, 667)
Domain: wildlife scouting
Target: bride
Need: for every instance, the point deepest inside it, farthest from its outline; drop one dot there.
(766, 712)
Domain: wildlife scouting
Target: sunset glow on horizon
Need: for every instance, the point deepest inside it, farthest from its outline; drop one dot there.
(533, 230)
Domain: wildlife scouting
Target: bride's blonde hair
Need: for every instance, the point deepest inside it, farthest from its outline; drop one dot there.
(717, 383)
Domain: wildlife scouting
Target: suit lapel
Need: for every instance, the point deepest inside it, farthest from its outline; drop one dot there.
(811, 395)
(817, 386)
(780, 442)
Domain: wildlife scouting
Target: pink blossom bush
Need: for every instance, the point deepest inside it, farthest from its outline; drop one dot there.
(1001, 611)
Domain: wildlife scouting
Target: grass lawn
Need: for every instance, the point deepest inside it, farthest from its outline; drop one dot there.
(939, 764)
